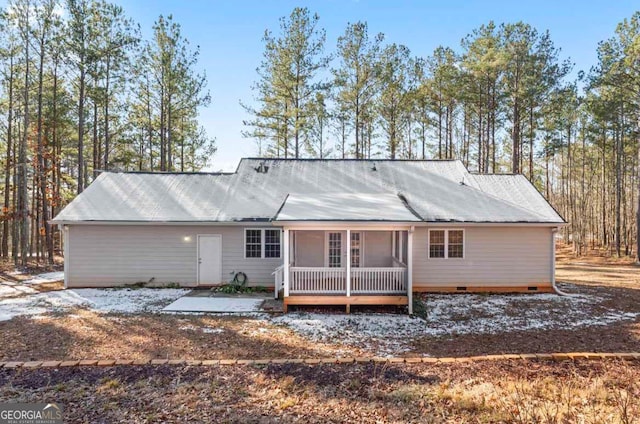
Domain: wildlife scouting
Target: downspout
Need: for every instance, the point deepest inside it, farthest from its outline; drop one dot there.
(410, 269)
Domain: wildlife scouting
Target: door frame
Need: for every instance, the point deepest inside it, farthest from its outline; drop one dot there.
(342, 247)
(198, 255)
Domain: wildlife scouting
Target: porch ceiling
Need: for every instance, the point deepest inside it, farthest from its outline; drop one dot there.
(376, 207)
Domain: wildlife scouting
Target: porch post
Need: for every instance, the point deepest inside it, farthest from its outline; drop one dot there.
(348, 263)
(410, 269)
(286, 262)
(393, 244)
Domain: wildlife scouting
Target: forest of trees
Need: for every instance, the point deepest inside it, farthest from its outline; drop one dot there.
(82, 92)
(504, 100)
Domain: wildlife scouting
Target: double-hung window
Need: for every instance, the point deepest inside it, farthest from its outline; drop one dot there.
(334, 248)
(262, 243)
(356, 249)
(446, 244)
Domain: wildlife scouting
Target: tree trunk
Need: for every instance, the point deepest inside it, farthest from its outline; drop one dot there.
(96, 140)
(107, 98)
(7, 212)
(81, 127)
(515, 136)
(23, 192)
(42, 162)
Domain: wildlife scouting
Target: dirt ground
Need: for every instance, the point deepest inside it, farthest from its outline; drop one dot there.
(9, 271)
(86, 334)
(482, 392)
(597, 269)
(83, 333)
(618, 279)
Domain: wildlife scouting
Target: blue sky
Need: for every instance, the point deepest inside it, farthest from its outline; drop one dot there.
(229, 35)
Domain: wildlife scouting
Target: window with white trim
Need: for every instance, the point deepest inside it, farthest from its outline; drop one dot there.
(356, 249)
(262, 243)
(271, 243)
(335, 250)
(455, 244)
(446, 244)
(436, 243)
(253, 243)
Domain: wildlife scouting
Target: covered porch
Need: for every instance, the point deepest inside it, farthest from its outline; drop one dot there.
(346, 249)
(356, 265)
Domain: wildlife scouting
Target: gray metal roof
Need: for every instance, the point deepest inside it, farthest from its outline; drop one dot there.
(345, 207)
(436, 191)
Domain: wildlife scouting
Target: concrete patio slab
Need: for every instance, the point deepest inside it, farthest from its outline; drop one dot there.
(214, 304)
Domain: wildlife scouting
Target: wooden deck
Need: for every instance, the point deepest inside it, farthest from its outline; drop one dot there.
(345, 300)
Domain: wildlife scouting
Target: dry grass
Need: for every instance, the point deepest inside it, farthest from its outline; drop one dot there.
(597, 268)
(496, 392)
(33, 267)
(86, 334)
(484, 392)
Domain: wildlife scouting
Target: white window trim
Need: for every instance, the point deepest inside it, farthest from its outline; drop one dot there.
(446, 243)
(361, 249)
(262, 243)
(342, 248)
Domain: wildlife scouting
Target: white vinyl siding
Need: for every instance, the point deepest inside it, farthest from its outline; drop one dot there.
(377, 248)
(309, 248)
(111, 255)
(493, 256)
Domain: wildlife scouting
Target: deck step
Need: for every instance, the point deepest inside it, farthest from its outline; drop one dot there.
(345, 300)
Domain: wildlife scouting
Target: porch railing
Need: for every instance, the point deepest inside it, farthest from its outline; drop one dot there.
(378, 280)
(307, 280)
(320, 280)
(279, 280)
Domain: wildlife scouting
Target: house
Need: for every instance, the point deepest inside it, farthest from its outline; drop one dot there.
(322, 231)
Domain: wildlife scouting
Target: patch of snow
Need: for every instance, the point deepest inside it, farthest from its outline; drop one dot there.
(128, 300)
(49, 277)
(385, 333)
(209, 330)
(99, 300)
(458, 314)
(491, 314)
(12, 289)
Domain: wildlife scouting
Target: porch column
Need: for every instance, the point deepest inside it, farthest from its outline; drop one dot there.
(286, 262)
(348, 263)
(410, 269)
(393, 244)
(401, 251)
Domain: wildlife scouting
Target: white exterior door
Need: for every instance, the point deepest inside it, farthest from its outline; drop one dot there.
(209, 259)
